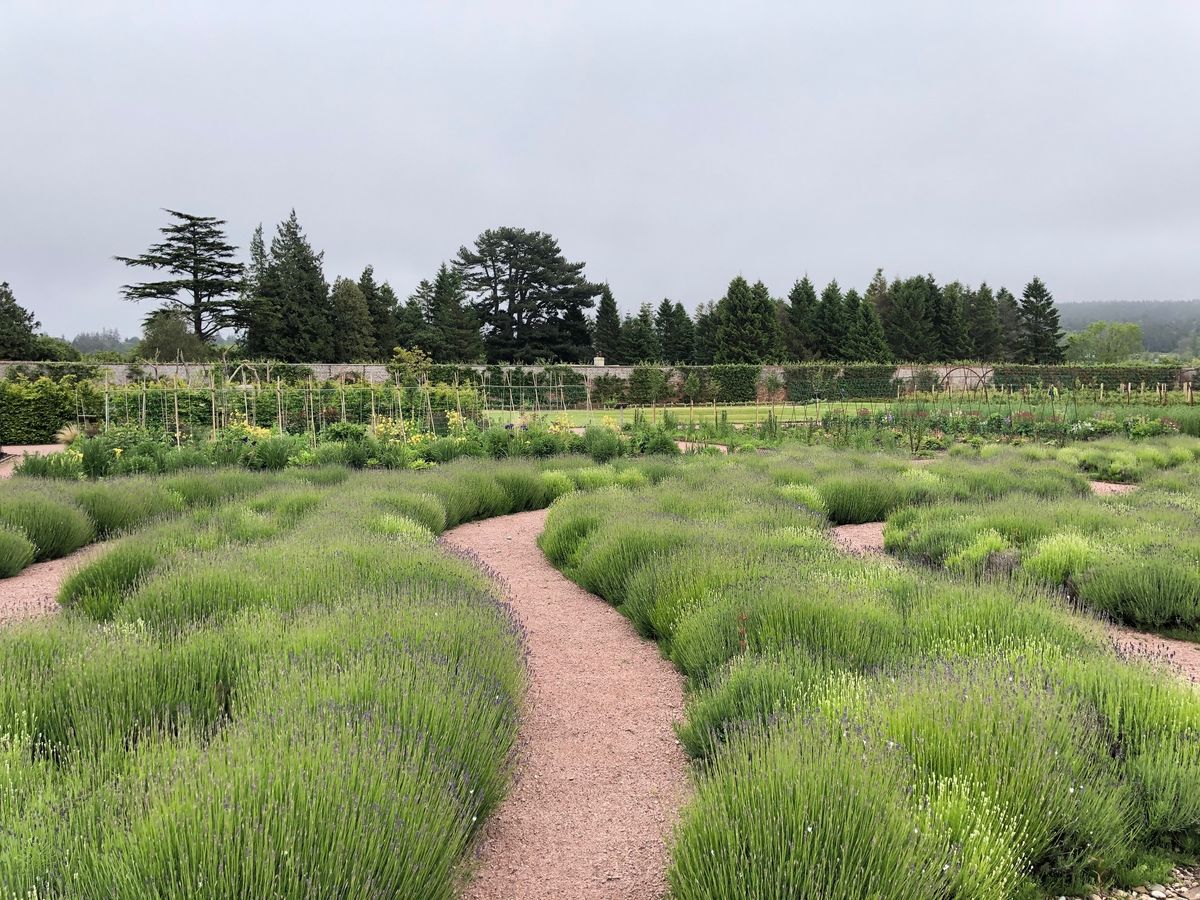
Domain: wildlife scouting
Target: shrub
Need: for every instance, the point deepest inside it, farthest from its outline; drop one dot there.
(601, 444)
(98, 588)
(16, 551)
(660, 443)
(120, 506)
(852, 501)
(1155, 592)
(54, 527)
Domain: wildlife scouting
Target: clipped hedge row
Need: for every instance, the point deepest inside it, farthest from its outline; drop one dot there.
(1009, 375)
(833, 381)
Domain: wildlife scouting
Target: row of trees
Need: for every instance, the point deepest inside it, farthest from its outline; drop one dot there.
(512, 296)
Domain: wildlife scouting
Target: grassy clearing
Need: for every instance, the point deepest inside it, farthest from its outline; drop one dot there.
(860, 727)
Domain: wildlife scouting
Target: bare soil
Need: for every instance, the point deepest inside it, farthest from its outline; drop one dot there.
(599, 774)
(861, 540)
(1108, 488)
(10, 456)
(31, 593)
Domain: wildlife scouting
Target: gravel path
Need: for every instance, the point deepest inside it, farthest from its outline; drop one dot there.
(14, 453)
(599, 775)
(31, 592)
(1108, 488)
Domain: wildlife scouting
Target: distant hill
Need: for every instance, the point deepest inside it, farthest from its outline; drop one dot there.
(1163, 322)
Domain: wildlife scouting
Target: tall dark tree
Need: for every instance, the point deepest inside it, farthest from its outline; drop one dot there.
(17, 327)
(801, 332)
(676, 334)
(639, 343)
(606, 335)
(353, 330)
(204, 276)
(704, 341)
(410, 330)
(290, 319)
(739, 337)
(909, 327)
(1041, 336)
(983, 323)
(381, 305)
(949, 323)
(879, 295)
(530, 300)
(865, 341)
(771, 348)
(831, 323)
(451, 329)
(1009, 314)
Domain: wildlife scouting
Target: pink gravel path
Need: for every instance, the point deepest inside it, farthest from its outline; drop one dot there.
(31, 593)
(1108, 488)
(8, 463)
(599, 774)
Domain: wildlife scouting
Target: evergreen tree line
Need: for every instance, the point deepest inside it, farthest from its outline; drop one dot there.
(909, 320)
(512, 296)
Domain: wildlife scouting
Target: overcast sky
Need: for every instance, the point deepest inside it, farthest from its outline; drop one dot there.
(670, 145)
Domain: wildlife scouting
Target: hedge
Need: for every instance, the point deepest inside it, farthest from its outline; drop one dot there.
(834, 381)
(1065, 377)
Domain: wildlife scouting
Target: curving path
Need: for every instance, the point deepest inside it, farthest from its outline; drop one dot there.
(1184, 656)
(599, 775)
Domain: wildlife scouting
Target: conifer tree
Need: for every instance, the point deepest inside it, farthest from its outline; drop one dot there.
(1041, 336)
(949, 323)
(831, 323)
(606, 335)
(382, 306)
(450, 332)
(801, 332)
(771, 337)
(1009, 314)
(869, 342)
(879, 296)
(674, 329)
(909, 327)
(739, 337)
(17, 327)
(410, 330)
(203, 274)
(353, 330)
(704, 340)
(639, 343)
(290, 319)
(983, 324)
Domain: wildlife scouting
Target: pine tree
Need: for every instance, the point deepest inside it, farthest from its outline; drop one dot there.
(452, 331)
(879, 295)
(801, 332)
(529, 299)
(639, 343)
(205, 276)
(949, 323)
(291, 318)
(853, 345)
(739, 337)
(353, 330)
(382, 307)
(606, 335)
(410, 330)
(17, 327)
(909, 327)
(771, 336)
(831, 323)
(983, 323)
(674, 329)
(1009, 315)
(704, 341)
(1041, 336)
(871, 343)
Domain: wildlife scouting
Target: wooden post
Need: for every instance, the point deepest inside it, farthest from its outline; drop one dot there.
(176, 384)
